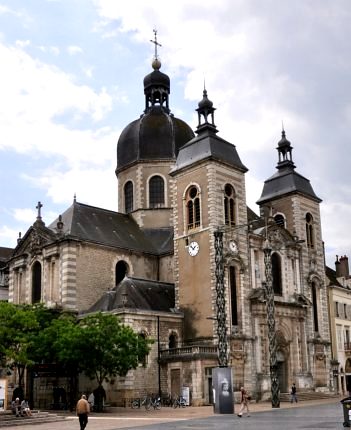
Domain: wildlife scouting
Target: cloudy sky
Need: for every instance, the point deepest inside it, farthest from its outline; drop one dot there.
(71, 79)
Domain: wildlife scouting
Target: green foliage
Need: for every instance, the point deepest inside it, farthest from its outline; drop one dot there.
(98, 345)
(19, 327)
(106, 348)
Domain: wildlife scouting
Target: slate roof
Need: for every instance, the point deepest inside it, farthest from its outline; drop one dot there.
(5, 254)
(331, 275)
(286, 181)
(208, 146)
(137, 293)
(114, 229)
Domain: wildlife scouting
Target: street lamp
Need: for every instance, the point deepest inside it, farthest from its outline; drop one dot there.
(267, 249)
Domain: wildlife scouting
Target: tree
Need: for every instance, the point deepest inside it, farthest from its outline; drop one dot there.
(18, 328)
(105, 348)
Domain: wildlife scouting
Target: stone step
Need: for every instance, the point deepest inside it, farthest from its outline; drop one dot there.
(308, 395)
(9, 419)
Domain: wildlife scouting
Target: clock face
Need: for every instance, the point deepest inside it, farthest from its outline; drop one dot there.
(193, 248)
(233, 246)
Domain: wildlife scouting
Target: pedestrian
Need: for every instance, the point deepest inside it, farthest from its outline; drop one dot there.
(244, 402)
(16, 407)
(83, 410)
(91, 400)
(25, 409)
(293, 393)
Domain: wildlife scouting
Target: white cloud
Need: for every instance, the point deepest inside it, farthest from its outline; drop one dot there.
(24, 215)
(73, 50)
(35, 96)
(22, 43)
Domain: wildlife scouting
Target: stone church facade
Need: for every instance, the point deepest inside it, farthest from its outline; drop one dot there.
(155, 262)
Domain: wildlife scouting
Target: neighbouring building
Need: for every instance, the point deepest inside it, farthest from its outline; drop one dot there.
(340, 323)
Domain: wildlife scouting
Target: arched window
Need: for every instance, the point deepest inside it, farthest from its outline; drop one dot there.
(156, 192)
(193, 208)
(128, 197)
(229, 205)
(36, 282)
(279, 220)
(121, 271)
(277, 274)
(315, 307)
(309, 231)
(172, 341)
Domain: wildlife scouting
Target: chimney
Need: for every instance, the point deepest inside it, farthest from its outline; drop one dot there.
(342, 267)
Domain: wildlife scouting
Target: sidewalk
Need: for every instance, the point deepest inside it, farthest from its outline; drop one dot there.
(117, 418)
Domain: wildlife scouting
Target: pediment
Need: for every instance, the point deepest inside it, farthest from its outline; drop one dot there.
(34, 240)
(280, 238)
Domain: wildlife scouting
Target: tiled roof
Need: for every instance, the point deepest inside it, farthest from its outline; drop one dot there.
(109, 228)
(135, 293)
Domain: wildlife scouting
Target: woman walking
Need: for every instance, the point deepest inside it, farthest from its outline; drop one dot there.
(245, 399)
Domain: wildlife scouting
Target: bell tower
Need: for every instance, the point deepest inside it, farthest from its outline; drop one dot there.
(295, 206)
(209, 195)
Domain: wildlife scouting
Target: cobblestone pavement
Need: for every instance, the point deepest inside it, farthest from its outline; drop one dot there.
(322, 414)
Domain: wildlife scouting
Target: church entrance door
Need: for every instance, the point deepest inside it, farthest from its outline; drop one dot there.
(175, 382)
(282, 372)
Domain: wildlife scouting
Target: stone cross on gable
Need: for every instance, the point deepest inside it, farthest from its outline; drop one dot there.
(155, 43)
(39, 206)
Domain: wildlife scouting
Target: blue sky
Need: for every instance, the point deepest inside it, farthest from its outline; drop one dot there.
(71, 79)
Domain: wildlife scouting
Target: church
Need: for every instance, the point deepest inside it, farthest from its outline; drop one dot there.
(187, 263)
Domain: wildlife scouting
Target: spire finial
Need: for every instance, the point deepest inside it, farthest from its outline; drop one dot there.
(155, 43)
(283, 130)
(74, 198)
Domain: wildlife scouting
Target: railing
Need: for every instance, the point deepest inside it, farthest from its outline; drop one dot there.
(347, 346)
(189, 351)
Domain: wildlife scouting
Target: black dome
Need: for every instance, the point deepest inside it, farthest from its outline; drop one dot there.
(155, 135)
(156, 78)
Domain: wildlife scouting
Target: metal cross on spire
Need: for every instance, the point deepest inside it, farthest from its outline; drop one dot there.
(39, 206)
(155, 43)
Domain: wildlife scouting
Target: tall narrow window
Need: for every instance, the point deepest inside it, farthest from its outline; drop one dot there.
(36, 282)
(233, 295)
(193, 208)
(229, 205)
(277, 274)
(157, 192)
(309, 231)
(121, 271)
(128, 196)
(172, 341)
(315, 307)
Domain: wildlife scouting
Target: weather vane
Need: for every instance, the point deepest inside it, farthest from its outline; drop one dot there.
(155, 43)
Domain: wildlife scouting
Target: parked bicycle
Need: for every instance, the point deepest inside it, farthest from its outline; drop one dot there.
(155, 402)
(179, 401)
(138, 403)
